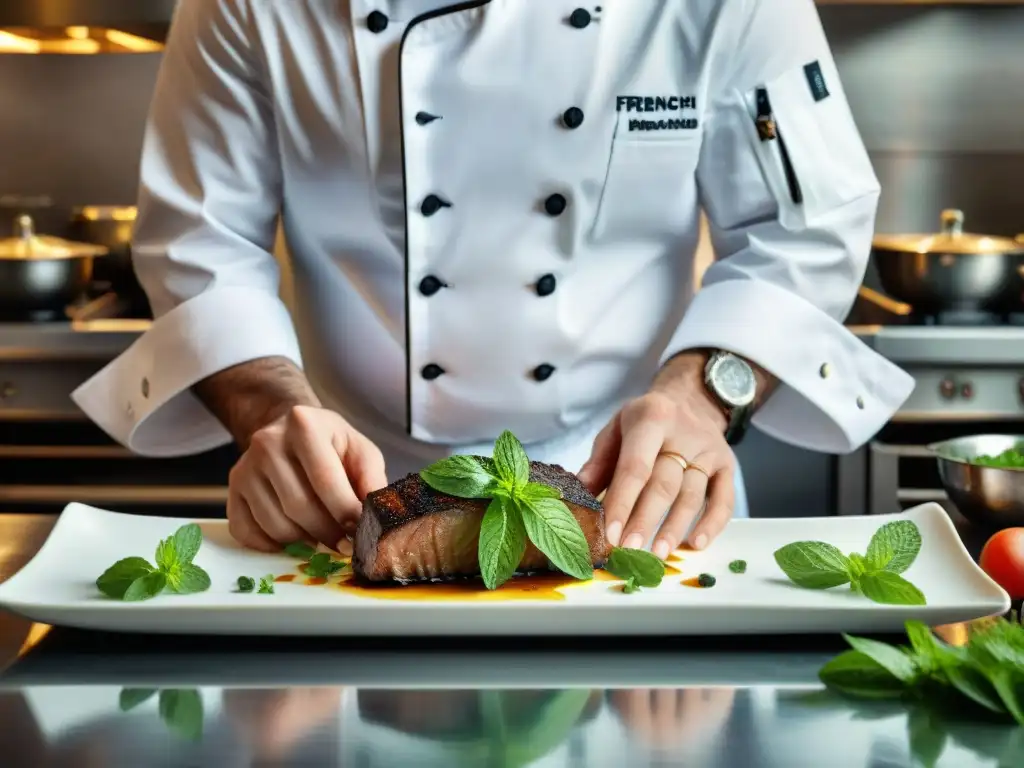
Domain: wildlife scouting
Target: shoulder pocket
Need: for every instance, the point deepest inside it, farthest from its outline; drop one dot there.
(649, 186)
(807, 143)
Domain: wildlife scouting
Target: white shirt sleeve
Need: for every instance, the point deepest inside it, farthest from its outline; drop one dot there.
(209, 200)
(791, 229)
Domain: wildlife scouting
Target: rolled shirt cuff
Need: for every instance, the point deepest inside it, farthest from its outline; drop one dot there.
(835, 393)
(143, 399)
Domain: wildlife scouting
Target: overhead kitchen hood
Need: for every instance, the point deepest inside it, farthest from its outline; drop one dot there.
(84, 26)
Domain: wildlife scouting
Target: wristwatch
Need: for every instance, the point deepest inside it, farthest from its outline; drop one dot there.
(731, 382)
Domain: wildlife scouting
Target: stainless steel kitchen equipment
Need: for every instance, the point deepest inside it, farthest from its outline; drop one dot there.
(952, 269)
(991, 496)
(112, 227)
(41, 275)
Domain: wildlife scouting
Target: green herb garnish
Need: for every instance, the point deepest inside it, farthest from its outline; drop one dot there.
(706, 580)
(300, 549)
(892, 550)
(638, 567)
(321, 566)
(245, 584)
(519, 511)
(738, 566)
(266, 585)
(987, 673)
(1012, 458)
(134, 579)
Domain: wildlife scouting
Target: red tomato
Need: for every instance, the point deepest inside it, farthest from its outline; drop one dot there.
(1003, 560)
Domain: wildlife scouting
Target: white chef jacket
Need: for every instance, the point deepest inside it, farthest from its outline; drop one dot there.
(492, 210)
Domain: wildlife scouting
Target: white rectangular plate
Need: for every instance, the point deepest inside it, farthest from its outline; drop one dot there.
(58, 587)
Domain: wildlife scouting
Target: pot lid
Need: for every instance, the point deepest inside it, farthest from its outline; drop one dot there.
(951, 239)
(106, 213)
(26, 244)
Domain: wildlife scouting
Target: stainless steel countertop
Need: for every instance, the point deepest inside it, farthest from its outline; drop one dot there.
(721, 702)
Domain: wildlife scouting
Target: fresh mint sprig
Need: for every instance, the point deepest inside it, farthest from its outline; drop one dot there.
(134, 579)
(876, 574)
(987, 672)
(637, 567)
(520, 511)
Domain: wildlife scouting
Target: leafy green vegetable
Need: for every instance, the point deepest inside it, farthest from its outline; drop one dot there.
(706, 580)
(502, 542)
(988, 671)
(246, 584)
(891, 551)
(638, 567)
(738, 566)
(130, 698)
(134, 578)
(519, 511)
(1012, 458)
(300, 549)
(266, 585)
(182, 712)
(814, 564)
(322, 566)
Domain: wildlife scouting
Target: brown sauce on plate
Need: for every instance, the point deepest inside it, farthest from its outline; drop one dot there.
(693, 582)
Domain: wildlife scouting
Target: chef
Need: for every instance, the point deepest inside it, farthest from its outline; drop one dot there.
(492, 209)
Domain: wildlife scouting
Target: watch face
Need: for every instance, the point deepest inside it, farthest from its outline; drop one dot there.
(734, 381)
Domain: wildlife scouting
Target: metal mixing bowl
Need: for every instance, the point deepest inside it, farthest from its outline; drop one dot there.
(991, 496)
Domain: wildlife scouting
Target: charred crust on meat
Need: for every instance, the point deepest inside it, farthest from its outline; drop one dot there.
(411, 498)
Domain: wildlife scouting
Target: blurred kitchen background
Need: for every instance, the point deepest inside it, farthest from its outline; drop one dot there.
(938, 93)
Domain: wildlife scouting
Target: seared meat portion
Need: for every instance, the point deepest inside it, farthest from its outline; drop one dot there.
(410, 532)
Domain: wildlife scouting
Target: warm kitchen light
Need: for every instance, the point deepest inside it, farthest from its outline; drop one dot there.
(133, 43)
(17, 44)
(77, 33)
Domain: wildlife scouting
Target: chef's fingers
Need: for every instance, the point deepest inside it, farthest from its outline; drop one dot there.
(718, 512)
(684, 511)
(657, 496)
(365, 465)
(242, 525)
(300, 502)
(321, 461)
(597, 472)
(269, 514)
(640, 446)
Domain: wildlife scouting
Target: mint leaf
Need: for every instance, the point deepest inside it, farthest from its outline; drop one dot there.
(462, 476)
(894, 547)
(896, 662)
(857, 674)
(187, 541)
(266, 585)
(116, 580)
(166, 554)
(246, 584)
(321, 566)
(182, 712)
(636, 565)
(130, 698)
(145, 587)
(814, 564)
(188, 579)
(511, 461)
(889, 588)
(299, 549)
(972, 683)
(538, 491)
(502, 542)
(555, 532)
(630, 586)
(858, 566)
(738, 566)
(927, 738)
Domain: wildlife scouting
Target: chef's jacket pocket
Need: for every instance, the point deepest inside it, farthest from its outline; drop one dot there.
(807, 143)
(649, 187)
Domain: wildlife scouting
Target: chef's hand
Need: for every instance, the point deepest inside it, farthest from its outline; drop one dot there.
(667, 719)
(628, 461)
(302, 478)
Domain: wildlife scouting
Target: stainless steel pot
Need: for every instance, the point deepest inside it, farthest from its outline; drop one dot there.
(951, 270)
(40, 275)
